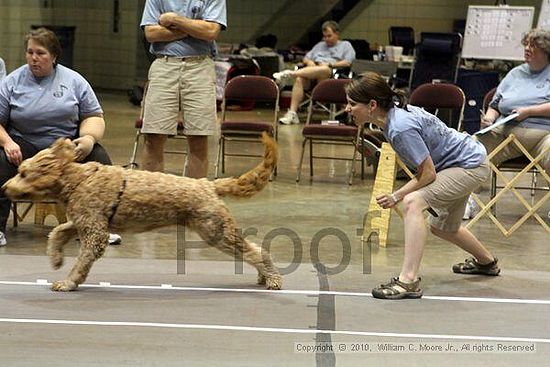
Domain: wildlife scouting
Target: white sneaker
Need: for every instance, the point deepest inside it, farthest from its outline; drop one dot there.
(471, 209)
(3, 241)
(290, 117)
(114, 239)
(282, 75)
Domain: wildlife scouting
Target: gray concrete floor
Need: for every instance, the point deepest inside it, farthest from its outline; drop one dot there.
(213, 313)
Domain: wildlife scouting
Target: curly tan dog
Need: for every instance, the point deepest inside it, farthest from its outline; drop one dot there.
(101, 198)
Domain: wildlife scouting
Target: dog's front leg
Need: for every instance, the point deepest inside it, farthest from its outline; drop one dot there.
(93, 242)
(57, 239)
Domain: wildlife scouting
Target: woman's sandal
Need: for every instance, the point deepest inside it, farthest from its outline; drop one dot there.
(471, 266)
(396, 289)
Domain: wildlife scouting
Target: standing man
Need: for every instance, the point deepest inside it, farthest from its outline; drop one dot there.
(182, 80)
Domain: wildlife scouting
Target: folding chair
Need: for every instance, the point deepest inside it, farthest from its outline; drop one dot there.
(180, 136)
(332, 92)
(42, 209)
(436, 96)
(249, 88)
(437, 58)
(515, 165)
(402, 36)
(345, 72)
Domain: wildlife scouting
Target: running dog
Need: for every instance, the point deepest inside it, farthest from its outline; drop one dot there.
(99, 199)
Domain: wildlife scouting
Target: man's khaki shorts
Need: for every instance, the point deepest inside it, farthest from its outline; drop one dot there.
(448, 194)
(181, 89)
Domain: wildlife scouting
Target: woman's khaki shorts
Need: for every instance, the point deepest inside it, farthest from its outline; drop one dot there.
(448, 194)
(181, 84)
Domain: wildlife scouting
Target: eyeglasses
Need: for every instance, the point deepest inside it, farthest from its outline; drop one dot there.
(529, 44)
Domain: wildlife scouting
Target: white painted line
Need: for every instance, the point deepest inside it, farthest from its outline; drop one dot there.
(273, 330)
(293, 292)
(42, 281)
(104, 284)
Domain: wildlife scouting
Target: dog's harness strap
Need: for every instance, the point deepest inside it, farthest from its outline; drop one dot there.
(118, 199)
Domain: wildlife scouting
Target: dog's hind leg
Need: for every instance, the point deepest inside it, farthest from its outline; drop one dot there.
(57, 239)
(219, 231)
(93, 241)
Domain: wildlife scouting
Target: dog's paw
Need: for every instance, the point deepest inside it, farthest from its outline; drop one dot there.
(274, 282)
(63, 286)
(261, 279)
(56, 259)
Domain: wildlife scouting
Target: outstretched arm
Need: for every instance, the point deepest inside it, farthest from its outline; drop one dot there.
(425, 175)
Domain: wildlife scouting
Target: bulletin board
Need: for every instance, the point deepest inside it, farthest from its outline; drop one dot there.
(495, 32)
(544, 15)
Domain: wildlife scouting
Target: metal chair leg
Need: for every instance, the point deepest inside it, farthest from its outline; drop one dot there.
(132, 164)
(218, 156)
(299, 173)
(493, 192)
(310, 158)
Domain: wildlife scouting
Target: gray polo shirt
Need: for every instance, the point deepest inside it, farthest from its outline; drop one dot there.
(321, 53)
(40, 110)
(209, 10)
(521, 88)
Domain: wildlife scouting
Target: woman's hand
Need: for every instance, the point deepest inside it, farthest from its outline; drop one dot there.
(523, 113)
(13, 153)
(486, 121)
(167, 19)
(84, 146)
(387, 201)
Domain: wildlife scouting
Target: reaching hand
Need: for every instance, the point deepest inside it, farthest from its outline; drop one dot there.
(84, 146)
(387, 200)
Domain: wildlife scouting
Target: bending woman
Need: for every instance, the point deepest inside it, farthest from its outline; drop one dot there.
(449, 165)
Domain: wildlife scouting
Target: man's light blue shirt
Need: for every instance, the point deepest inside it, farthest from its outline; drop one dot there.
(322, 54)
(209, 10)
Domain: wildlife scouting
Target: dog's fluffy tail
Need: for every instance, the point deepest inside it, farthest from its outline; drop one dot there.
(254, 180)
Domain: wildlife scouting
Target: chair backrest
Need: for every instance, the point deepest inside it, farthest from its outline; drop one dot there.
(330, 91)
(402, 36)
(488, 98)
(437, 57)
(384, 68)
(251, 88)
(435, 96)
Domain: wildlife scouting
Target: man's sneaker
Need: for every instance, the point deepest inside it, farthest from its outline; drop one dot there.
(290, 117)
(282, 75)
(3, 241)
(471, 210)
(471, 266)
(114, 239)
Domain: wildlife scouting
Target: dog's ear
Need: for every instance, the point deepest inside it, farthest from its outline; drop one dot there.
(64, 149)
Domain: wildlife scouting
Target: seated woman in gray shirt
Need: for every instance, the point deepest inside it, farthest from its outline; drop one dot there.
(525, 90)
(40, 102)
(449, 165)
